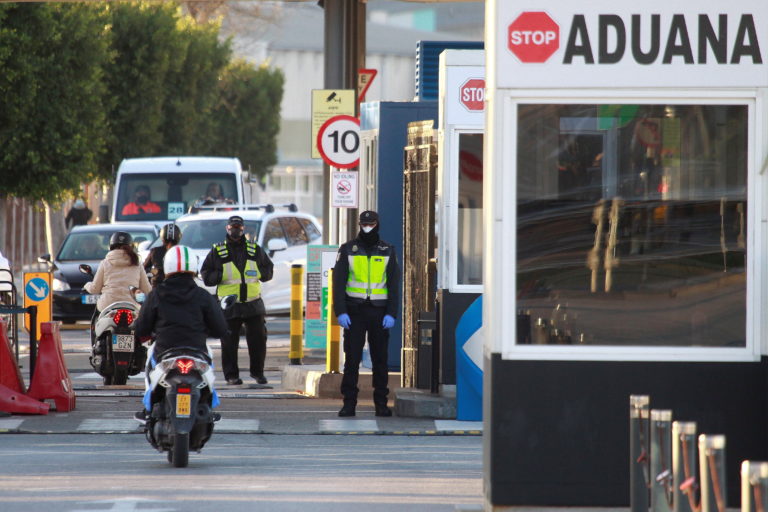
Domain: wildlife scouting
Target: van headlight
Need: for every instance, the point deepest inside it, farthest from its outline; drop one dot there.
(60, 286)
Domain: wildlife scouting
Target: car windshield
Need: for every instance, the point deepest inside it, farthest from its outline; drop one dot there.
(203, 233)
(168, 196)
(94, 245)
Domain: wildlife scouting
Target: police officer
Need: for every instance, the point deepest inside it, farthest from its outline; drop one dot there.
(170, 234)
(238, 267)
(366, 284)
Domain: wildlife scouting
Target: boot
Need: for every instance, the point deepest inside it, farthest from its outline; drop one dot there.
(383, 410)
(347, 410)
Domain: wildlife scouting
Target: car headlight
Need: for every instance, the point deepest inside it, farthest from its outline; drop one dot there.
(60, 286)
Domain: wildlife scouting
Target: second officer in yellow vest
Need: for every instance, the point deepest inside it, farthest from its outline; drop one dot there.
(366, 289)
(237, 266)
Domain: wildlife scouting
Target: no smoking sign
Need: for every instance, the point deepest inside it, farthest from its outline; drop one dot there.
(338, 141)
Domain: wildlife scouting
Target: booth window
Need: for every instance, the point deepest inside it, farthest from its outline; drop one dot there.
(632, 224)
(470, 210)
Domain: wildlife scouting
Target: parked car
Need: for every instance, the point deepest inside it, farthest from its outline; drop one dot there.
(85, 244)
(282, 231)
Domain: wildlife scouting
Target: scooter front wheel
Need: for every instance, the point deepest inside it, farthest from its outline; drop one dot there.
(180, 450)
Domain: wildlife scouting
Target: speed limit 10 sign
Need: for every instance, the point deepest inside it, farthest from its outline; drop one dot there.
(338, 141)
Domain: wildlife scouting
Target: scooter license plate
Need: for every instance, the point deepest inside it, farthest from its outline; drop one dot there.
(90, 299)
(122, 342)
(183, 404)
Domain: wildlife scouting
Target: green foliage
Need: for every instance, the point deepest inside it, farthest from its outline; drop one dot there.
(52, 116)
(86, 85)
(248, 115)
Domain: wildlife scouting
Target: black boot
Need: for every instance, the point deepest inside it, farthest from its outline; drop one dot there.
(383, 410)
(347, 410)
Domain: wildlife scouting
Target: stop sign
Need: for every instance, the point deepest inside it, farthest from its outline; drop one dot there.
(472, 94)
(533, 37)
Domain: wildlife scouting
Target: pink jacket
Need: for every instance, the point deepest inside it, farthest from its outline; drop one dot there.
(114, 279)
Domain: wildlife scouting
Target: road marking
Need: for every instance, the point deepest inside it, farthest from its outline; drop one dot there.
(458, 426)
(10, 424)
(348, 425)
(108, 425)
(231, 425)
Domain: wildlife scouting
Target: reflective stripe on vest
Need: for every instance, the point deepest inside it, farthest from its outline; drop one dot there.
(232, 279)
(367, 277)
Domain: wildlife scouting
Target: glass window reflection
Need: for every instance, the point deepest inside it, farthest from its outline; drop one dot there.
(470, 209)
(632, 224)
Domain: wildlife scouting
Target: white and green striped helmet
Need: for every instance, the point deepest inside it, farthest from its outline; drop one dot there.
(179, 258)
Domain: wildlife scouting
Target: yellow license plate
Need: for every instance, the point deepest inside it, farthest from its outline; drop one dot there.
(183, 405)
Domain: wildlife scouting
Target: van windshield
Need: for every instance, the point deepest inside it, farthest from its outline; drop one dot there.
(166, 196)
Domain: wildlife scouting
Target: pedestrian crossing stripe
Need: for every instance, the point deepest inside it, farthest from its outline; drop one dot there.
(108, 425)
(225, 425)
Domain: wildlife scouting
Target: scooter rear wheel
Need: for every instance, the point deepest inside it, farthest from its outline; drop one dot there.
(180, 450)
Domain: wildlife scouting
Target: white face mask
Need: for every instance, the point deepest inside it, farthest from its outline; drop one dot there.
(367, 229)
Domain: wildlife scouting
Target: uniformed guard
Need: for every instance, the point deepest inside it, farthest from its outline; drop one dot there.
(366, 284)
(238, 267)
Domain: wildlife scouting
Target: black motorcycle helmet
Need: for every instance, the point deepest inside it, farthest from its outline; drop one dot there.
(119, 238)
(170, 233)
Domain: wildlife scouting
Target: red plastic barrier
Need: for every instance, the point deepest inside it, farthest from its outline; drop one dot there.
(17, 403)
(10, 374)
(51, 379)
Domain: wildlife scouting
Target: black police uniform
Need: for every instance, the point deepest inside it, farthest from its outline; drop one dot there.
(366, 317)
(154, 264)
(251, 314)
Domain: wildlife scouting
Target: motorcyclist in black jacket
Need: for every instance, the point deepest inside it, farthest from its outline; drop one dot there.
(179, 313)
(170, 235)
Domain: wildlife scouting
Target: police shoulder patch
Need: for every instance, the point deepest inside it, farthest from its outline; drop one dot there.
(354, 248)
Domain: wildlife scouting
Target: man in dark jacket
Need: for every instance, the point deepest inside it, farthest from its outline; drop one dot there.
(78, 215)
(170, 235)
(238, 267)
(178, 312)
(366, 286)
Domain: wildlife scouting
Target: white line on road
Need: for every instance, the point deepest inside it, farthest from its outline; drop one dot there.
(348, 426)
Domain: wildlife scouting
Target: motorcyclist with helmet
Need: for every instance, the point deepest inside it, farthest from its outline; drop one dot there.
(178, 313)
(119, 271)
(170, 235)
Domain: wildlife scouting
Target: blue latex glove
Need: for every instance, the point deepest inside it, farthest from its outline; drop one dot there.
(344, 320)
(388, 322)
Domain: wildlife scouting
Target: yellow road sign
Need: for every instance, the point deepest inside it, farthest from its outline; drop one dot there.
(328, 103)
(37, 292)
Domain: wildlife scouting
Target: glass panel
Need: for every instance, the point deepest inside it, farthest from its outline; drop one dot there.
(94, 245)
(168, 196)
(469, 266)
(312, 232)
(273, 231)
(294, 232)
(632, 224)
(202, 234)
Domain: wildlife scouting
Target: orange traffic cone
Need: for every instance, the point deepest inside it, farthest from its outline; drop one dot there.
(51, 378)
(16, 403)
(10, 375)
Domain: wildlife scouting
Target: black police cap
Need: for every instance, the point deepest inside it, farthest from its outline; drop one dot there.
(369, 217)
(235, 219)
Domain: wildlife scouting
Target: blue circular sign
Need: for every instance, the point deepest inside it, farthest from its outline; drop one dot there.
(37, 289)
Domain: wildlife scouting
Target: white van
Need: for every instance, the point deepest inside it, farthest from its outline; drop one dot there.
(161, 189)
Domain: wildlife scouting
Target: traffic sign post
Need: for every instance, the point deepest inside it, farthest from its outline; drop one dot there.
(472, 94)
(37, 292)
(338, 141)
(533, 37)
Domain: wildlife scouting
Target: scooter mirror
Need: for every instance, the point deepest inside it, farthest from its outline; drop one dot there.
(228, 301)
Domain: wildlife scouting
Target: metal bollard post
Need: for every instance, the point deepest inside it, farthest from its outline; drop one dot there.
(661, 460)
(638, 453)
(712, 467)
(754, 486)
(684, 479)
(296, 352)
(333, 332)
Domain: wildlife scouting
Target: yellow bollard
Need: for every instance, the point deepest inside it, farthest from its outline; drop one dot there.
(296, 351)
(333, 332)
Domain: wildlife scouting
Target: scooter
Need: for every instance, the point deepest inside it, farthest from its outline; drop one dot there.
(114, 353)
(181, 400)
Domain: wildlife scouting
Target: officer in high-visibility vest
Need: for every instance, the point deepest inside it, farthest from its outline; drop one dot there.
(366, 285)
(237, 266)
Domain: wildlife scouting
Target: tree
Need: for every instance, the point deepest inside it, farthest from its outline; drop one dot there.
(52, 118)
(248, 115)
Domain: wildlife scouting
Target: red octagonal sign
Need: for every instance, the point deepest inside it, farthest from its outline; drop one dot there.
(472, 94)
(533, 37)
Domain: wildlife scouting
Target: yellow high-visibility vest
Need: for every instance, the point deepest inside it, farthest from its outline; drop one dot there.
(367, 277)
(232, 279)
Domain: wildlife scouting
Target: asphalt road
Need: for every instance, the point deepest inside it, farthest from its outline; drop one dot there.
(77, 473)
